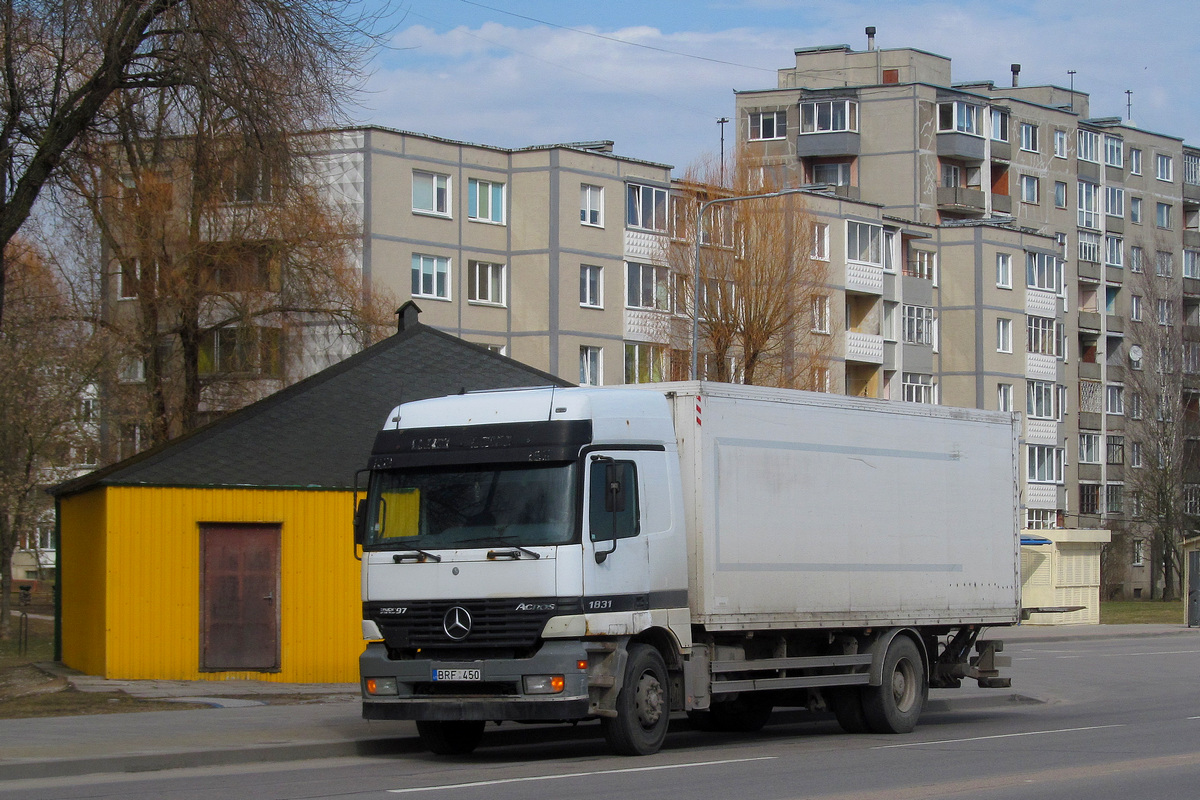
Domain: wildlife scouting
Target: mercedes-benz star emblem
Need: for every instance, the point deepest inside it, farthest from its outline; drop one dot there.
(457, 623)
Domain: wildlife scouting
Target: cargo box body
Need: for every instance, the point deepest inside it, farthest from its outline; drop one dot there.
(824, 511)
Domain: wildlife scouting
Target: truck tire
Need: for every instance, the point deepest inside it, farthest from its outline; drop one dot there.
(743, 715)
(643, 706)
(454, 738)
(847, 705)
(895, 705)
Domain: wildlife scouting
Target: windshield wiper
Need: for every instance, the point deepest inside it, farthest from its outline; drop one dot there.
(415, 555)
(502, 540)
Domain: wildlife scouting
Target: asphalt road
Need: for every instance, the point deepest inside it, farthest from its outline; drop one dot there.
(1104, 719)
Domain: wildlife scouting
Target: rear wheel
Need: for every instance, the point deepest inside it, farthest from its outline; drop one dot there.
(896, 704)
(847, 705)
(643, 706)
(450, 738)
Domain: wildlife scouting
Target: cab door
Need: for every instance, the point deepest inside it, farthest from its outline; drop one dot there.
(616, 557)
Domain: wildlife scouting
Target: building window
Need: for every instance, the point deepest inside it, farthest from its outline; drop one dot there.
(824, 116)
(1135, 161)
(1042, 400)
(1089, 146)
(1060, 194)
(1043, 335)
(1164, 263)
(1191, 263)
(959, 116)
(646, 207)
(820, 241)
(590, 366)
(1162, 215)
(1089, 498)
(1114, 250)
(646, 287)
(1139, 548)
(918, 388)
(1004, 396)
(1163, 167)
(1113, 498)
(591, 205)
(1089, 247)
(1135, 210)
(1043, 271)
(1041, 519)
(1114, 201)
(1191, 169)
(591, 286)
(918, 325)
(864, 243)
(1029, 189)
(1089, 448)
(1114, 399)
(645, 363)
(951, 175)
(1044, 463)
(1029, 137)
(999, 125)
(244, 349)
(1004, 270)
(1060, 144)
(820, 315)
(1135, 455)
(1135, 308)
(1137, 259)
(1089, 214)
(1004, 335)
(430, 276)
(1116, 450)
(485, 201)
(831, 173)
(768, 125)
(1060, 243)
(922, 265)
(431, 193)
(1164, 312)
(1114, 151)
(485, 283)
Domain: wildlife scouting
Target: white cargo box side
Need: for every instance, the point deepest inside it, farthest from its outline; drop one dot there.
(815, 510)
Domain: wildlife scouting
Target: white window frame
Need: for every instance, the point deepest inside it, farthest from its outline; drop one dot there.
(430, 267)
(1089, 246)
(1030, 189)
(591, 365)
(864, 234)
(1164, 167)
(820, 241)
(591, 292)
(1163, 312)
(1089, 205)
(1004, 397)
(918, 387)
(1043, 335)
(1114, 201)
(591, 205)
(1162, 216)
(489, 210)
(1060, 194)
(652, 279)
(999, 125)
(1089, 447)
(1043, 400)
(1004, 270)
(918, 325)
(1164, 263)
(494, 283)
(1044, 463)
(820, 314)
(439, 188)
(1060, 143)
(1043, 271)
(1088, 146)
(1135, 210)
(1135, 161)
(1003, 335)
(760, 121)
(1191, 263)
(821, 116)
(1137, 259)
(1135, 308)
(642, 217)
(1029, 137)
(1114, 251)
(964, 118)
(1114, 151)
(1114, 399)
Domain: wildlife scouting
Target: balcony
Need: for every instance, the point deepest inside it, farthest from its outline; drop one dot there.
(1191, 192)
(1089, 370)
(864, 348)
(1191, 238)
(865, 278)
(834, 143)
(1089, 321)
(1088, 271)
(1115, 325)
(1001, 204)
(960, 145)
(961, 199)
(1001, 151)
(1191, 287)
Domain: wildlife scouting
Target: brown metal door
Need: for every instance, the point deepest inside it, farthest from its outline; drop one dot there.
(239, 602)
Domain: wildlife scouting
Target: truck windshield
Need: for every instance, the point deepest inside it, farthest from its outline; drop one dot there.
(477, 506)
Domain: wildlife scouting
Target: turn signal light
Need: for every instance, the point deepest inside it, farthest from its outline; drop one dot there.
(544, 684)
(381, 686)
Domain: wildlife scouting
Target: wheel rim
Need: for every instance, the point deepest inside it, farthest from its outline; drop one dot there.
(649, 700)
(904, 685)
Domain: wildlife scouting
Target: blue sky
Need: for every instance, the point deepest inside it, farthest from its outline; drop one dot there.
(518, 73)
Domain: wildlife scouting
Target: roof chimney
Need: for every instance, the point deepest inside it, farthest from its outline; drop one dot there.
(407, 316)
(870, 37)
(1016, 71)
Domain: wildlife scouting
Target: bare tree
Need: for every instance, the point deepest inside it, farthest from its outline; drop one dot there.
(47, 366)
(763, 303)
(1161, 404)
(66, 62)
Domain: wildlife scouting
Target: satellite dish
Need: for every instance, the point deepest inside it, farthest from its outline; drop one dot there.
(1135, 353)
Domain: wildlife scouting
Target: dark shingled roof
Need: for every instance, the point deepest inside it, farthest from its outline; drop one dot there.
(318, 432)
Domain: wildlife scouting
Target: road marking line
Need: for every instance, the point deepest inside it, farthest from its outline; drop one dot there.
(579, 775)
(998, 736)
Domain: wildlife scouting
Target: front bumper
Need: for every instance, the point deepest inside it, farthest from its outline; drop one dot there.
(498, 695)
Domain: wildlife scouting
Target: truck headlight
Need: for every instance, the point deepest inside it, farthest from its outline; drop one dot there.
(543, 684)
(381, 686)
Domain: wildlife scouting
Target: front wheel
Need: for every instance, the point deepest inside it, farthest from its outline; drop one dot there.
(454, 738)
(896, 704)
(643, 706)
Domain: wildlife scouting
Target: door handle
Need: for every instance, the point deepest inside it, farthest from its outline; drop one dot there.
(270, 596)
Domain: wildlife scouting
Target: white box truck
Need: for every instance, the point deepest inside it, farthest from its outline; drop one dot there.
(625, 553)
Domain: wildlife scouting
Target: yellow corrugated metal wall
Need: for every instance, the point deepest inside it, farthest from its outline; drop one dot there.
(81, 572)
(153, 581)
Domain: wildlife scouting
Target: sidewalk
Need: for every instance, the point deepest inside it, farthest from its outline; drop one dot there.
(242, 729)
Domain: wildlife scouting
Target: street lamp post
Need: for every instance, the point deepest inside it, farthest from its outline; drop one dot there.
(696, 288)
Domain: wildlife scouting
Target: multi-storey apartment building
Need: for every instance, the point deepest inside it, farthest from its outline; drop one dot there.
(1107, 212)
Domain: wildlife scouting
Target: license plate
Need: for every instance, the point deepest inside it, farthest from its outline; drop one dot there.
(457, 675)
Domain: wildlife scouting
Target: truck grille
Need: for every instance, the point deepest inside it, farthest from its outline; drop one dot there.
(494, 623)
